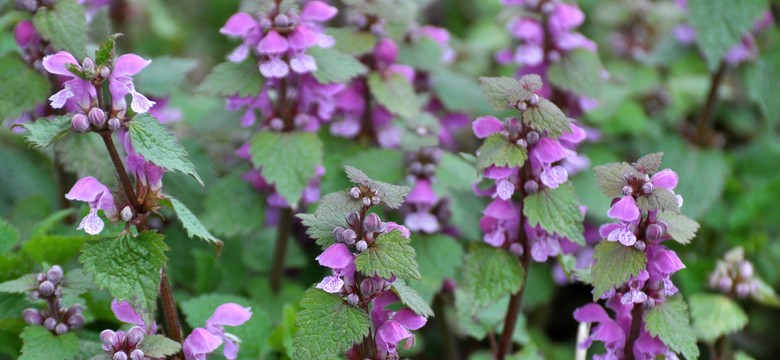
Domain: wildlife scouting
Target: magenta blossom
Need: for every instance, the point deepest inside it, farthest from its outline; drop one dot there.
(98, 196)
(81, 91)
(342, 262)
(121, 83)
(125, 313)
(393, 326)
(203, 341)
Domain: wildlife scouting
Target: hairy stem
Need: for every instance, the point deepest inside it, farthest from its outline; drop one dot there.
(124, 179)
(721, 349)
(448, 340)
(170, 315)
(704, 123)
(636, 328)
(277, 268)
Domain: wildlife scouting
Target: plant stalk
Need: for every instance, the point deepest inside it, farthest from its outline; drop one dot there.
(704, 124)
(277, 267)
(636, 328)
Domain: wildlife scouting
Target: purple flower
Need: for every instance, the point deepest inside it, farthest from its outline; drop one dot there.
(487, 125)
(624, 209)
(342, 262)
(26, 35)
(392, 326)
(125, 313)
(98, 196)
(82, 91)
(500, 222)
(121, 83)
(203, 341)
(606, 330)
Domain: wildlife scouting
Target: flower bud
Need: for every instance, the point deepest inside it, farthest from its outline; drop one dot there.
(137, 354)
(338, 234)
(355, 193)
(32, 316)
(349, 236)
(353, 219)
(120, 355)
(265, 22)
(97, 116)
(26, 5)
(50, 323)
(105, 71)
(60, 329)
(276, 124)
(76, 321)
(79, 123)
(516, 249)
(371, 223)
(521, 105)
(521, 143)
(366, 201)
(88, 65)
(40, 277)
(46, 288)
(368, 287)
(532, 137)
(513, 125)
(127, 213)
(746, 269)
(725, 284)
(534, 99)
(654, 232)
(743, 289)
(531, 186)
(627, 191)
(640, 245)
(353, 299)
(301, 120)
(361, 246)
(554, 56)
(282, 21)
(54, 274)
(415, 167)
(109, 339)
(35, 295)
(134, 336)
(664, 226)
(73, 310)
(114, 124)
(375, 200)
(648, 188)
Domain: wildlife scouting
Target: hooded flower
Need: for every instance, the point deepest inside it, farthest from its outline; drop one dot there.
(121, 83)
(98, 196)
(80, 90)
(341, 261)
(203, 341)
(125, 313)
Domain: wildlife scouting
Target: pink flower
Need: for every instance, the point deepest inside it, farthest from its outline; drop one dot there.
(125, 313)
(121, 82)
(98, 196)
(625, 209)
(203, 341)
(82, 91)
(342, 262)
(486, 125)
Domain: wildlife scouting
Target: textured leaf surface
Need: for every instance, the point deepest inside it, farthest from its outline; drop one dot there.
(129, 267)
(164, 75)
(458, 92)
(440, 257)
(19, 286)
(546, 116)
(411, 298)
(334, 66)
(392, 195)
(233, 207)
(351, 41)
(44, 132)
(680, 227)
(649, 163)
(716, 315)
(578, 71)
(614, 265)
(85, 155)
(423, 54)
(228, 79)
(53, 249)
(503, 92)
(720, 24)
(158, 346)
(331, 213)
(660, 199)
(669, 321)
(328, 326)
(389, 255)
(556, 211)
(65, 26)
(490, 274)
(40, 344)
(498, 151)
(611, 178)
(394, 93)
(193, 225)
(155, 143)
(22, 88)
(9, 236)
(287, 160)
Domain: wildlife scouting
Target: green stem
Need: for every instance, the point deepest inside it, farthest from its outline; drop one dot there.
(277, 267)
(704, 123)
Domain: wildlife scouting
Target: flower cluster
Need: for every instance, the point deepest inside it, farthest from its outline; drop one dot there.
(123, 345)
(424, 210)
(734, 275)
(54, 317)
(203, 341)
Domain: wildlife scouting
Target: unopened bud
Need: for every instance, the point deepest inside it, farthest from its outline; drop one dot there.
(105, 71)
(60, 329)
(282, 20)
(88, 65)
(114, 124)
(137, 354)
(654, 232)
(353, 299)
(375, 200)
(371, 223)
(521, 143)
(513, 125)
(429, 169)
(127, 213)
(109, 339)
(120, 355)
(366, 201)
(76, 321)
(534, 99)
(74, 309)
(97, 116)
(743, 289)
(353, 219)
(531, 186)
(338, 234)
(640, 245)
(301, 120)
(368, 287)
(627, 191)
(134, 336)
(349, 236)
(54, 274)
(553, 56)
(35, 295)
(32, 316)
(746, 269)
(79, 123)
(276, 124)
(648, 188)
(532, 137)
(50, 323)
(521, 105)
(516, 249)
(40, 277)
(361, 246)
(416, 167)
(46, 288)
(354, 193)
(26, 5)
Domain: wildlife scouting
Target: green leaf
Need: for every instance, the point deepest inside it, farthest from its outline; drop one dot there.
(557, 211)
(85, 155)
(614, 265)
(491, 273)
(578, 71)
(334, 66)
(229, 78)
(392, 195)
(458, 92)
(762, 82)
(440, 257)
(705, 177)
(22, 88)
(411, 298)
(54, 249)
(44, 132)
(331, 213)
(669, 321)
(546, 116)
(76, 282)
(423, 54)
(351, 41)
(382, 164)
(193, 225)
(164, 75)
(19, 286)
(288, 160)
(680, 227)
(65, 26)
(129, 267)
(394, 93)
(233, 207)
(660, 199)
(328, 326)
(649, 163)
(159, 346)
(721, 24)
(455, 172)
(504, 93)
(389, 255)
(766, 294)
(155, 143)
(40, 343)
(716, 315)
(611, 178)
(105, 51)
(498, 151)
(9, 236)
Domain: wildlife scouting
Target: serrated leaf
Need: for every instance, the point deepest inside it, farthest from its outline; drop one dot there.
(503, 92)
(669, 321)
(352, 41)
(765, 295)
(411, 298)
(65, 26)
(660, 199)
(22, 89)
(440, 257)
(491, 273)
(19, 286)
(193, 226)
(155, 143)
(334, 66)
(680, 227)
(392, 195)
(498, 151)
(243, 214)
(76, 282)
(458, 92)
(330, 214)
(287, 160)
(614, 264)
(105, 51)
(9, 236)
(716, 315)
(85, 155)
(649, 163)
(229, 78)
(455, 172)
(328, 326)
(546, 116)
(159, 346)
(389, 255)
(705, 177)
(40, 343)
(721, 24)
(423, 54)
(54, 249)
(395, 93)
(44, 132)
(557, 211)
(611, 178)
(164, 75)
(129, 267)
(578, 71)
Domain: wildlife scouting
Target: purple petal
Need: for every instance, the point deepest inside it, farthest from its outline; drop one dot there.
(331, 284)
(548, 150)
(24, 33)
(685, 34)
(668, 262)
(665, 178)
(648, 344)
(527, 29)
(409, 319)
(505, 189)
(238, 24)
(566, 17)
(229, 314)
(303, 63)
(552, 177)
(239, 54)
(545, 247)
(393, 226)
(55, 64)
(59, 99)
(336, 256)
(606, 229)
(609, 332)
(486, 125)
(625, 209)
(91, 224)
(125, 313)
(87, 189)
(502, 210)
(392, 332)
(576, 136)
(140, 103)
(529, 55)
(302, 38)
(273, 43)
(318, 11)
(422, 193)
(274, 68)
(497, 172)
(201, 341)
(591, 313)
(386, 51)
(422, 221)
(128, 65)
(230, 350)
(495, 238)
(623, 235)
